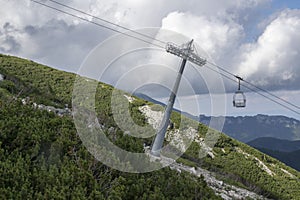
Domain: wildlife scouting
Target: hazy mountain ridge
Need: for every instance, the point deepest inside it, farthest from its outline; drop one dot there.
(52, 165)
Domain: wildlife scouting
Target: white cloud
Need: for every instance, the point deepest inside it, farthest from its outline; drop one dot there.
(274, 58)
(220, 27)
(214, 35)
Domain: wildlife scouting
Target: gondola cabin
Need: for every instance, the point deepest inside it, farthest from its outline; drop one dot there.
(239, 99)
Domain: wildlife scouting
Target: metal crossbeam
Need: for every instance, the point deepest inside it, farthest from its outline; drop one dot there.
(185, 53)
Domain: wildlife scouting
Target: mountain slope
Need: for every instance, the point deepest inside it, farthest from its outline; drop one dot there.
(43, 157)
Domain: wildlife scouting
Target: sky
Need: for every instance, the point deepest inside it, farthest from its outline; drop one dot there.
(257, 39)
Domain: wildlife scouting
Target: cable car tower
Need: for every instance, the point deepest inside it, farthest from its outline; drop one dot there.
(188, 53)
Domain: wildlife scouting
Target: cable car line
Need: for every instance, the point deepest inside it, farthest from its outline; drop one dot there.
(109, 22)
(253, 90)
(159, 46)
(298, 107)
(281, 104)
(251, 84)
(97, 24)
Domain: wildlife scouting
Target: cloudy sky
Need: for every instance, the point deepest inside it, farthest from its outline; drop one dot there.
(256, 39)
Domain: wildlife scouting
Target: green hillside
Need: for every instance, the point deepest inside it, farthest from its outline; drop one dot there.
(42, 157)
